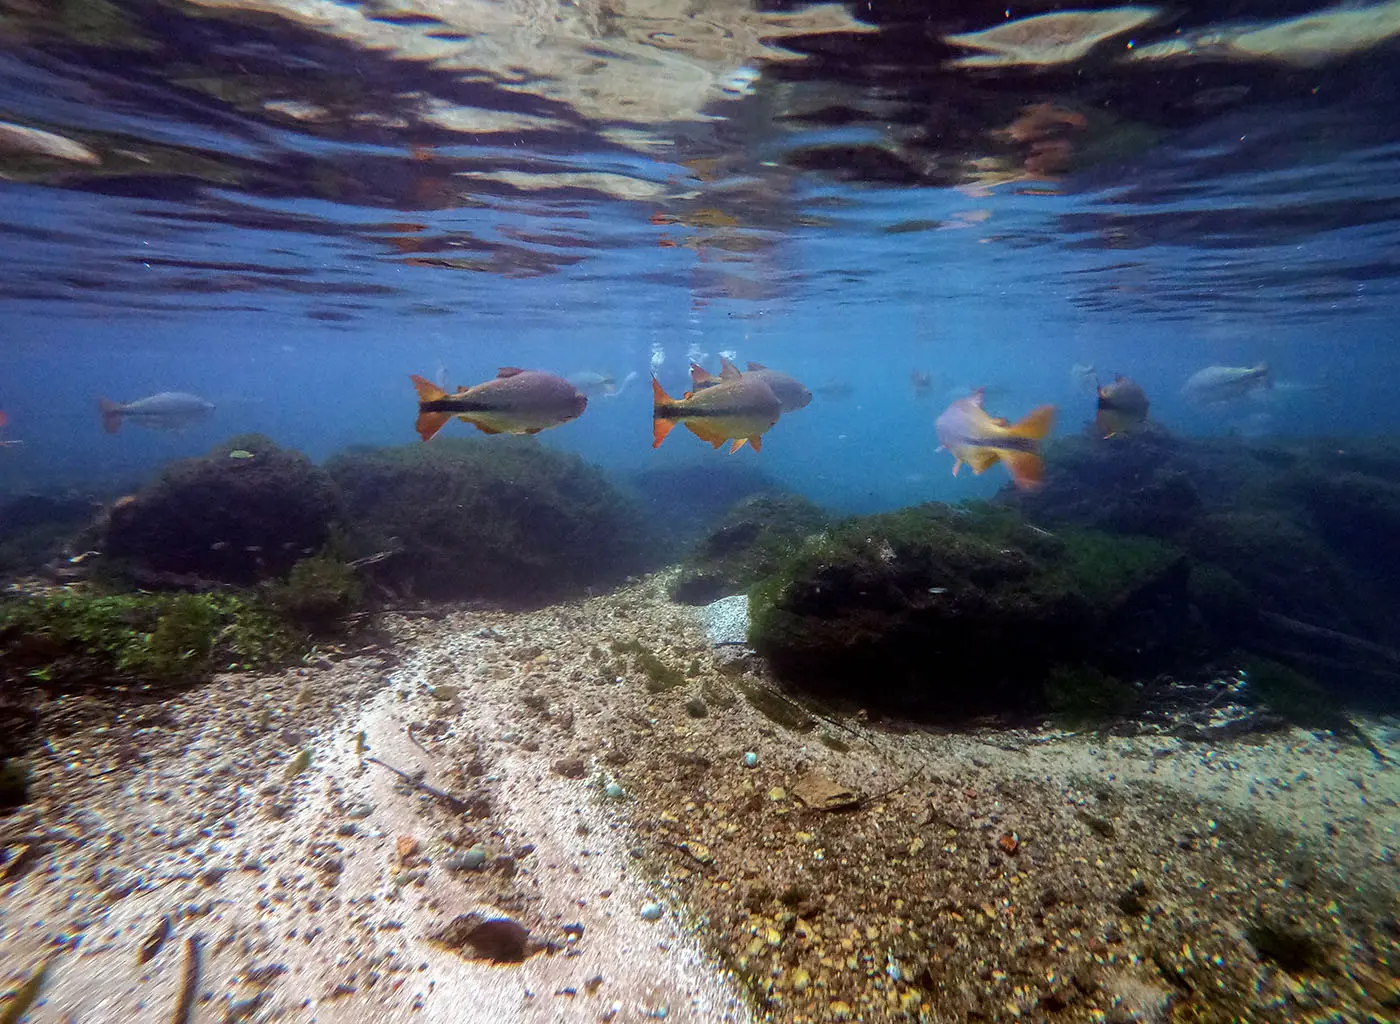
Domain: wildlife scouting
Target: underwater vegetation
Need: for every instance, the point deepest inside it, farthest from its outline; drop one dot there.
(504, 519)
(748, 543)
(942, 611)
(72, 638)
(247, 511)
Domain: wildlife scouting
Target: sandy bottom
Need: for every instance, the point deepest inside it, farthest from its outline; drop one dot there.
(679, 843)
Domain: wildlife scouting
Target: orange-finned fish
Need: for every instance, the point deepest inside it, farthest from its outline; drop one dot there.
(981, 440)
(740, 409)
(514, 402)
(792, 393)
(1122, 406)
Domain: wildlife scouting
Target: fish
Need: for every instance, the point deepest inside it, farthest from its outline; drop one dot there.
(1122, 406)
(1084, 376)
(5, 422)
(836, 391)
(605, 384)
(740, 409)
(974, 437)
(169, 410)
(922, 382)
(515, 401)
(792, 393)
(1224, 383)
(590, 382)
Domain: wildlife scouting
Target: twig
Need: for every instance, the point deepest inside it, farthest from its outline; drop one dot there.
(877, 797)
(453, 803)
(189, 984)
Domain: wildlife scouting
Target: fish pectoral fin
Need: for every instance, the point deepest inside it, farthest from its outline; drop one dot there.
(429, 423)
(1027, 469)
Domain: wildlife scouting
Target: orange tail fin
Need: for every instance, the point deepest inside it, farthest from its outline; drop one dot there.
(111, 415)
(1027, 468)
(429, 423)
(660, 425)
(427, 390)
(1037, 424)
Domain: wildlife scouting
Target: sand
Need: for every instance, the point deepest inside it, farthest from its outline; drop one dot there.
(592, 784)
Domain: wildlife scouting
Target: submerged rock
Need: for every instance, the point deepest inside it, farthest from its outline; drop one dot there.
(748, 543)
(223, 518)
(503, 518)
(946, 611)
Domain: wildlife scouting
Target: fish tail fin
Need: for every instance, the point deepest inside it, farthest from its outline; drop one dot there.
(427, 390)
(111, 415)
(661, 425)
(429, 423)
(1027, 469)
(1037, 424)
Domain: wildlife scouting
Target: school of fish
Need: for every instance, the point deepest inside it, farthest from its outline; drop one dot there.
(739, 407)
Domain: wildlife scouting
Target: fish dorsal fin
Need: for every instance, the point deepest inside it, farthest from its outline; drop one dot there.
(427, 390)
(699, 375)
(508, 371)
(727, 370)
(752, 366)
(977, 395)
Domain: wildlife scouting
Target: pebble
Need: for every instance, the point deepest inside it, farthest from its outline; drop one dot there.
(727, 620)
(651, 912)
(613, 791)
(750, 760)
(470, 860)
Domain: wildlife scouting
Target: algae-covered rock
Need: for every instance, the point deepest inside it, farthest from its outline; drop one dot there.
(752, 539)
(505, 519)
(247, 511)
(945, 611)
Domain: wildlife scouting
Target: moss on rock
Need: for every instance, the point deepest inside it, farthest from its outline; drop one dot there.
(504, 519)
(247, 511)
(943, 611)
(748, 543)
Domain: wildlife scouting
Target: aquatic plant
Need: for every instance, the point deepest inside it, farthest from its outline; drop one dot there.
(943, 611)
(318, 593)
(228, 519)
(76, 637)
(749, 542)
(505, 519)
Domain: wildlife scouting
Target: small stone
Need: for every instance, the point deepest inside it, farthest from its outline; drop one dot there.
(1009, 843)
(800, 979)
(571, 767)
(613, 791)
(840, 1010)
(470, 860)
(407, 848)
(750, 760)
(777, 794)
(695, 708)
(651, 912)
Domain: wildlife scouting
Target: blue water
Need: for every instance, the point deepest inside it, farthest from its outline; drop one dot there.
(294, 268)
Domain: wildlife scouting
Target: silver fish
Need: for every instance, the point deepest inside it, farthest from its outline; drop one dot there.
(1223, 383)
(169, 410)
